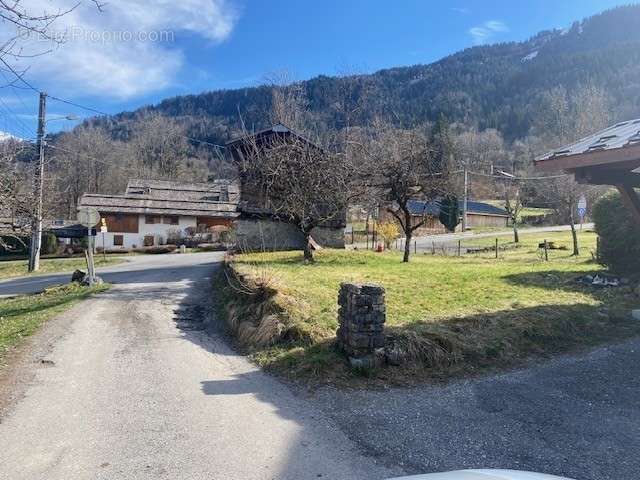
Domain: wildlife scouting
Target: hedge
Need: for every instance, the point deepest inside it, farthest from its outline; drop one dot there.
(619, 235)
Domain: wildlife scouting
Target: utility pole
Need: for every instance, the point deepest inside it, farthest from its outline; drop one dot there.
(36, 226)
(465, 199)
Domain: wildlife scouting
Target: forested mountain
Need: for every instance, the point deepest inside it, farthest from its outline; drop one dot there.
(500, 86)
(505, 103)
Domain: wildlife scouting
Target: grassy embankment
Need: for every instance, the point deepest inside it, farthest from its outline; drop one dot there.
(21, 316)
(450, 315)
(18, 268)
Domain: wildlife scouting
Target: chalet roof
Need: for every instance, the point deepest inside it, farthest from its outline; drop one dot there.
(621, 136)
(264, 135)
(155, 206)
(183, 191)
(158, 197)
(432, 208)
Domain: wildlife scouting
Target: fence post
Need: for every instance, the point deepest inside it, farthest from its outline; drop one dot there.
(546, 251)
(433, 247)
(353, 239)
(496, 248)
(415, 246)
(459, 248)
(598, 248)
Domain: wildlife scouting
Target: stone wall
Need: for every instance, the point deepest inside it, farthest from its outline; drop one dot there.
(271, 235)
(361, 315)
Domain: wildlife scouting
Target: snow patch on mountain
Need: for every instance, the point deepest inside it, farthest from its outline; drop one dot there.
(4, 136)
(531, 56)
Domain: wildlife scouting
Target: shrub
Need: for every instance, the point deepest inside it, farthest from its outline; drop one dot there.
(389, 231)
(619, 235)
(49, 243)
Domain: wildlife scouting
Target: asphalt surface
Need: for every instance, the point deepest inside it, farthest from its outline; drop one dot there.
(127, 385)
(576, 416)
(113, 274)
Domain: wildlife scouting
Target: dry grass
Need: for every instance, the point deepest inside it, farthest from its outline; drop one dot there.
(444, 314)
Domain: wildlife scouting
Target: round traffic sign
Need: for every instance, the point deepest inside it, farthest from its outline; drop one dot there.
(88, 217)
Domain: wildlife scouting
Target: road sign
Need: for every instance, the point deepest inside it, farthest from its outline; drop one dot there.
(103, 229)
(88, 217)
(582, 212)
(582, 203)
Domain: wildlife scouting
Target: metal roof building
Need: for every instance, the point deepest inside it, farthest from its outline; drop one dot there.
(608, 157)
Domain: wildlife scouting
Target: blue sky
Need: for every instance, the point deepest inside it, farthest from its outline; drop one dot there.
(138, 52)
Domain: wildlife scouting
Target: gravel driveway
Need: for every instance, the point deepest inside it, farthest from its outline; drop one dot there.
(575, 416)
(126, 385)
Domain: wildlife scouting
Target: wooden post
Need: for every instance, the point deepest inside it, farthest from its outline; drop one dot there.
(353, 239)
(459, 248)
(433, 247)
(496, 248)
(546, 251)
(415, 246)
(598, 248)
(367, 237)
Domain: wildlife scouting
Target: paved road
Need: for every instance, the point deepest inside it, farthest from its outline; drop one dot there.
(112, 274)
(576, 416)
(132, 388)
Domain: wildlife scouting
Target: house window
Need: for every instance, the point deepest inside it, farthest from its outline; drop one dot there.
(170, 219)
(118, 240)
(152, 219)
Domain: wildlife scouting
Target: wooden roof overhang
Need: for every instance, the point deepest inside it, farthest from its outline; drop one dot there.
(619, 167)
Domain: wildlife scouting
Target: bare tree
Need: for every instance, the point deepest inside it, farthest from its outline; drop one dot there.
(512, 194)
(16, 196)
(29, 24)
(572, 115)
(160, 147)
(87, 160)
(405, 166)
(298, 181)
(289, 103)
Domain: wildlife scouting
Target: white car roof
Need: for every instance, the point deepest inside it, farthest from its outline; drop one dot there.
(484, 475)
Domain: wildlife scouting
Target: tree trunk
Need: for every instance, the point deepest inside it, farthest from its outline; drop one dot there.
(308, 251)
(574, 235)
(407, 234)
(407, 248)
(516, 235)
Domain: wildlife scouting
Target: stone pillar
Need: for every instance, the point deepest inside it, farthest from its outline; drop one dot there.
(361, 315)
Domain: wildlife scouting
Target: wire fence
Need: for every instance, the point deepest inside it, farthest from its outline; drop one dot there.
(485, 247)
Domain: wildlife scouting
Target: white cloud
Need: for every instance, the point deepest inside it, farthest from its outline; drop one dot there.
(129, 49)
(487, 31)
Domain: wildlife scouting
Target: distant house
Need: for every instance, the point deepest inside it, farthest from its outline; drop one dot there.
(257, 228)
(479, 214)
(151, 210)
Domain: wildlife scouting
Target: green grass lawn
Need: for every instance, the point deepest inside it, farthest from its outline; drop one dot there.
(18, 268)
(480, 311)
(21, 316)
(525, 212)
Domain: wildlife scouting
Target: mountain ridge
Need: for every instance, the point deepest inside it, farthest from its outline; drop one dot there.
(490, 86)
